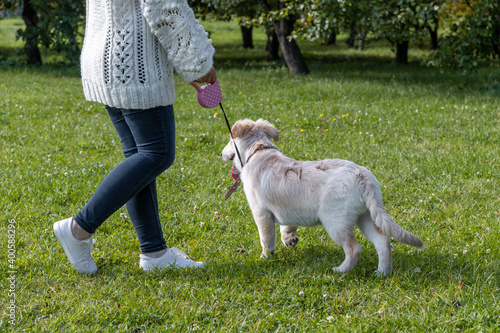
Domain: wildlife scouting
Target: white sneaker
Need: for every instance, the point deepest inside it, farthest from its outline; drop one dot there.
(78, 252)
(173, 258)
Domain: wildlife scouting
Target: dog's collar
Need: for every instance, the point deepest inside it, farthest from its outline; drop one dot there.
(238, 180)
(260, 149)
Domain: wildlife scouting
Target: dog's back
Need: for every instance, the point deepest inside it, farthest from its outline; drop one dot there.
(302, 192)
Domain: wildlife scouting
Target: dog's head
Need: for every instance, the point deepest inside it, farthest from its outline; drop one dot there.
(248, 136)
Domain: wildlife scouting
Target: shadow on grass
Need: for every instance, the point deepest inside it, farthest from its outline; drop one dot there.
(362, 67)
(426, 269)
(430, 268)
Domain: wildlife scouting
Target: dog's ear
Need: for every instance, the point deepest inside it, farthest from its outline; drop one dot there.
(269, 129)
(241, 127)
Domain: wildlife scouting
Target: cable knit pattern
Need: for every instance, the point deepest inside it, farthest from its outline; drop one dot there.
(132, 46)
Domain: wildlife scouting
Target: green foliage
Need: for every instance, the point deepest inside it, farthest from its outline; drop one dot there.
(319, 18)
(58, 28)
(402, 20)
(8, 4)
(472, 35)
(476, 37)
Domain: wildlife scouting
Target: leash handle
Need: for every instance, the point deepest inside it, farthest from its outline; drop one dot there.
(209, 95)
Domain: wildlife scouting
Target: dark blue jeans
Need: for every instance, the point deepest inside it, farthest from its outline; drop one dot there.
(148, 141)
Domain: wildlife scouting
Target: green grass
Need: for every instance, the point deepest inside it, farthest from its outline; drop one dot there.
(431, 138)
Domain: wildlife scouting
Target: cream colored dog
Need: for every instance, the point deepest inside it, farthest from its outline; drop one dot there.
(335, 194)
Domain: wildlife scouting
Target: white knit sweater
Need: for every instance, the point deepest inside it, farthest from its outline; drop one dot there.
(132, 46)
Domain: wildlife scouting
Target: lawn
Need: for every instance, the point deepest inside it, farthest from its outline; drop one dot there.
(431, 138)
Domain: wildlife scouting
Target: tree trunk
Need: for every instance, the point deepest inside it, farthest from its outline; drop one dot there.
(291, 52)
(30, 18)
(496, 38)
(246, 33)
(290, 49)
(332, 38)
(402, 52)
(353, 33)
(272, 45)
(362, 37)
(433, 31)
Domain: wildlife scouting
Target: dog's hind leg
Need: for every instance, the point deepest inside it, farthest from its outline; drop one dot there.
(380, 241)
(267, 230)
(342, 235)
(289, 235)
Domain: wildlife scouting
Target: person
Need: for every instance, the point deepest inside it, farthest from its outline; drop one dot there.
(130, 50)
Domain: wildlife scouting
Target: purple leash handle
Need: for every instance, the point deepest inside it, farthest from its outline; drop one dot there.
(210, 95)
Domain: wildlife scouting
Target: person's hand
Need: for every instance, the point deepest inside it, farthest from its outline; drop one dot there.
(210, 77)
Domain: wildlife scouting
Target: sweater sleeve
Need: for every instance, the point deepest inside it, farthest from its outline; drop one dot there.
(187, 44)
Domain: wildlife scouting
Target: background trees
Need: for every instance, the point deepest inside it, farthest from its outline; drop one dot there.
(469, 29)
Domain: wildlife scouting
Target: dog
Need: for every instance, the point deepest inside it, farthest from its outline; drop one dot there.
(333, 193)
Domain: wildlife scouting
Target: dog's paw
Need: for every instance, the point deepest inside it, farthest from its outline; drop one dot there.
(264, 254)
(291, 241)
(338, 270)
(378, 273)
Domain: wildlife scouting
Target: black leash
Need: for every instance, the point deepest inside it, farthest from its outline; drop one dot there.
(238, 180)
(231, 134)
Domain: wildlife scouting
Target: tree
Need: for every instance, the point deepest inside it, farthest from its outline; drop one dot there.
(402, 21)
(432, 21)
(473, 38)
(53, 24)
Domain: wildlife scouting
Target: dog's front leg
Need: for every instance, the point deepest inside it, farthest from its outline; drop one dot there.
(289, 235)
(267, 230)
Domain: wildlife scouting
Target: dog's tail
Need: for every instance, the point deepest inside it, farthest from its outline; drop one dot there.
(372, 196)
